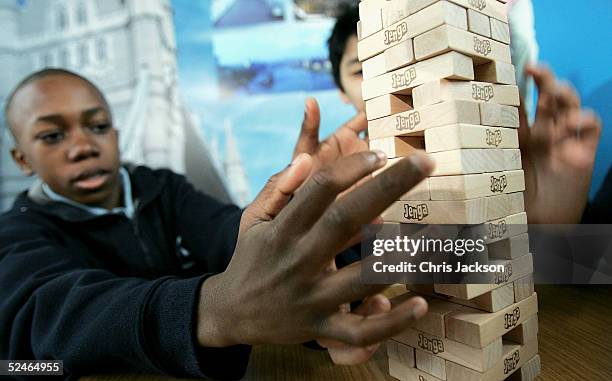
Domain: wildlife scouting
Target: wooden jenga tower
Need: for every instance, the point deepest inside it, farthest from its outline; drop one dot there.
(438, 76)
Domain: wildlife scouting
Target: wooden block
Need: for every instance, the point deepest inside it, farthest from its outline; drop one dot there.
(464, 212)
(440, 13)
(399, 56)
(473, 161)
(510, 248)
(479, 23)
(373, 67)
(359, 30)
(490, 8)
(416, 121)
(406, 373)
(480, 359)
(496, 72)
(430, 364)
(500, 31)
(433, 322)
(396, 290)
(514, 357)
(463, 136)
(491, 301)
(386, 105)
(514, 269)
(401, 352)
(504, 228)
(398, 146)
(444, 90)
(370, 15)
(449, 38)
(529, 371)
(525, 332)
(492, 114)
(465, 187)
(523, 288)
(478, 329)
(451, 65)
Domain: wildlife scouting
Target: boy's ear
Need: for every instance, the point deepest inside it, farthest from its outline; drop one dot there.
(21, 161)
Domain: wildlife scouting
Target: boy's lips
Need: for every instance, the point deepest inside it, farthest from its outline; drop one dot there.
(91, 180)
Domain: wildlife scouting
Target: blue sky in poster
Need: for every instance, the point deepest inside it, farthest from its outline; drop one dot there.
(574, 39)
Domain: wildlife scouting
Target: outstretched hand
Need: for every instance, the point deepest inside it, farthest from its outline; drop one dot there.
(558, 152)
(278, 287)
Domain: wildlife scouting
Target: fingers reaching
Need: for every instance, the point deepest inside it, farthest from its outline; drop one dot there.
(308, 141)
(289, 181)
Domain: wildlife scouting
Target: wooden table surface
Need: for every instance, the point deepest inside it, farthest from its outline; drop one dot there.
(575, 343)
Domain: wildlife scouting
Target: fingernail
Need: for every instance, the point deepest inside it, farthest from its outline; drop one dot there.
(380, 155)
(298, 158)
(419, 311)
(372, 348)
(422, 162)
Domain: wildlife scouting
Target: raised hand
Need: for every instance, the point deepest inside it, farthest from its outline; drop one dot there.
(558, 152)
(343, 142)
(278, 287)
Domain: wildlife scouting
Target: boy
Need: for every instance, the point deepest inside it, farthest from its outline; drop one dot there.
(115, 268)
(561, 142)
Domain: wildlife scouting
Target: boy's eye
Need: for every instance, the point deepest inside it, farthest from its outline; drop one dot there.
(100, 128)
(52, 138)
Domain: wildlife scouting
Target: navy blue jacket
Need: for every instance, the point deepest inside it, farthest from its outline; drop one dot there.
(111, 294)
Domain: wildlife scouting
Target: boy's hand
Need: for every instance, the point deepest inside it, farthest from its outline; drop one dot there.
(278, 287)
(558, 152)
(343, 142)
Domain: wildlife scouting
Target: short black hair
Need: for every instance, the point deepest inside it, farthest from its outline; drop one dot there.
(345, 28)
(48, 72)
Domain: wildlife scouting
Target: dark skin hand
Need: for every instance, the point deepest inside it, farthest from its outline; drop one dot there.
(278, 287)
(558, 152)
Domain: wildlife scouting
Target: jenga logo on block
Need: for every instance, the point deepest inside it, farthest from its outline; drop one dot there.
(497, 230)
(403, 79)
(482, 46)
(478, 4)
(395, 35)
(499, 184)
(494, 137)
(418, 212)
(511, 319)
(408, 122)
(503, 277)
(512, 362)
(432, 345)
(482, 93)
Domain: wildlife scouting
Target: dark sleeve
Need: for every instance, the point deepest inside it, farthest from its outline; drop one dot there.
(54, 305)
(209, 228)
(598, 210)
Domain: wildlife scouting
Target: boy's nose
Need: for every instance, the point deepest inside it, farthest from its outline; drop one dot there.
(82, 147)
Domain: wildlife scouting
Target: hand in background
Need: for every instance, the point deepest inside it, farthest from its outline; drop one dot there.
(558, 152)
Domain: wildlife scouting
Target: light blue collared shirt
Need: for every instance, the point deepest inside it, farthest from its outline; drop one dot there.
(128, 202)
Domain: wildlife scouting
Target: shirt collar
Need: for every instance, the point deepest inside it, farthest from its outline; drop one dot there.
(128, 202)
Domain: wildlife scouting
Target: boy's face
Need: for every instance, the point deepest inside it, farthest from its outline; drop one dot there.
(64, 133)
(351, 76)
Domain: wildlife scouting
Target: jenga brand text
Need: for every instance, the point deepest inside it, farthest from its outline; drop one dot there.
(511, 319)
(482, 46)
(415, 212)
(512, 362)
(431, 345)
(403, 79)
(408, 122)
(494, 137)
(497, 230)
(482, 92)
(503, 277)
(396, 35)
(478, 4)
(499, 184)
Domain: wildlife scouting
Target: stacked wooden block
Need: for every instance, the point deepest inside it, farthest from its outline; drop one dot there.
(438, 76)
